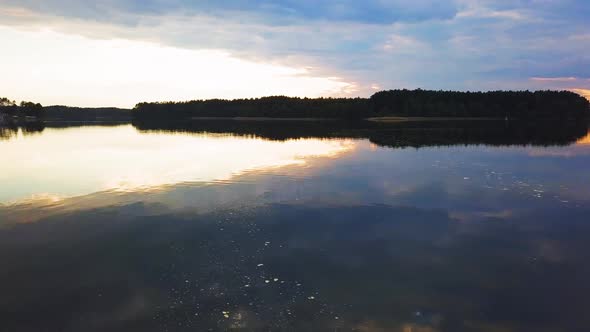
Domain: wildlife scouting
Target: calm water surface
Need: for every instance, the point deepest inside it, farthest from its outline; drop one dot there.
(116, 229)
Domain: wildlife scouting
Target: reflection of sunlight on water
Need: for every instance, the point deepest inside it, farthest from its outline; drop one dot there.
(209, 158)
(580, 148)
(79, 161)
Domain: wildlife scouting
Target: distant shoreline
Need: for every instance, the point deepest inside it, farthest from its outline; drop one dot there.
(383, 106)
(372, 119)
(259, 118)
(422, 118)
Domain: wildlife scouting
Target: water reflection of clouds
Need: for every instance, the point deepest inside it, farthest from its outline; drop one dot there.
(581, 148)
(79, 161)
(197, 172)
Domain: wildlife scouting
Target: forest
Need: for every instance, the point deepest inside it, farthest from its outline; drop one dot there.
(561, 105)
(11, 108)
(403, 103)
(266, 107)
(10, 111)
(66, 113)
(493, 104)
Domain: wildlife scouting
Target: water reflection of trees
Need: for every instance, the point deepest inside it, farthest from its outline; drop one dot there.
(30, 128)
(33, 128)
(7, 132)
(401, 134)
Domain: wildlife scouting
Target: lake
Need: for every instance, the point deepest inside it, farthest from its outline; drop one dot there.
(421, 227)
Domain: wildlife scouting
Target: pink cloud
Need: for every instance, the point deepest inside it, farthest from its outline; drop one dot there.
(554, 79)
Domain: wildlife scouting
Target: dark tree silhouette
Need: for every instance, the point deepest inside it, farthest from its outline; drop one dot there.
(27, 108)
(560, 105)
(5, 102)
(494, 104)
(271, 107)
(86, 114)
(11, 111)
(406, 103)
(7, 107)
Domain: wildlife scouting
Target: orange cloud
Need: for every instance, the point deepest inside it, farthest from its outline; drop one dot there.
(582, 92)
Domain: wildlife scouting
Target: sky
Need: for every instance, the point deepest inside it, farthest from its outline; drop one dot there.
(121, 52)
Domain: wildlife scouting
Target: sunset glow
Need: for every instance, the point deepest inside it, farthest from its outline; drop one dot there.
(584, 141)
(582, 92)
(117, 72)
(141, 161)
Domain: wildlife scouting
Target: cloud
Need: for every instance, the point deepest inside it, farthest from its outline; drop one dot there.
(272, 11)
(403, 44)
(122, 72)
(479, 12)
(554, 79)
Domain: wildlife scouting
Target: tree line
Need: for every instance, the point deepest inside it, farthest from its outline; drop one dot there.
(67, 113)
(405, 103)
(271, 107)
(13, 111)
(493, 104)
(25, 108)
